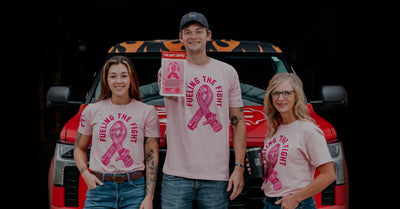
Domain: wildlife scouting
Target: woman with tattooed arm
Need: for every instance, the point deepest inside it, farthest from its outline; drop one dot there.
(125, 137)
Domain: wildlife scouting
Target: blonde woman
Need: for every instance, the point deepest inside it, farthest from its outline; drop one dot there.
(293, 148)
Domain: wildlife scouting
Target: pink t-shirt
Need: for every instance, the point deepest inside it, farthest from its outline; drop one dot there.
(198, 123)
(118, 133)
(294, 152)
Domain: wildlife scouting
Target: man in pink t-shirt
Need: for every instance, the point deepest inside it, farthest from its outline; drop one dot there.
(196, 167)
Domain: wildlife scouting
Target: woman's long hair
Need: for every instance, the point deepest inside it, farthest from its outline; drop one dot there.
(301, 111)
(105, 91)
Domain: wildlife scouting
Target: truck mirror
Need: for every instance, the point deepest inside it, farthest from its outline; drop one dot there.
(58, 97)
(334, 94)
(332, 97)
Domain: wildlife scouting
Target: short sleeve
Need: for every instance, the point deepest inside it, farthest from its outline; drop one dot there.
(317, 149)
(85, 127)
(152, 127)
(235, 93)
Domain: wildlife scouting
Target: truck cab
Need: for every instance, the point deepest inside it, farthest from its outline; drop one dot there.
(256, 62)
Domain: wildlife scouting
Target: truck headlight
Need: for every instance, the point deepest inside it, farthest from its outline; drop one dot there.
(336, 151)
(61, 160)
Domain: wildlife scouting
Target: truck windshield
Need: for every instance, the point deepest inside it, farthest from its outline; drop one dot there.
(254, 70)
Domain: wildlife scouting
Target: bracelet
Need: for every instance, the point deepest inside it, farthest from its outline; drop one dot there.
(240, 165)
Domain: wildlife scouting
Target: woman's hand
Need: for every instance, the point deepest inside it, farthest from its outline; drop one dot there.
(288, 202)
(147, 203)
(81, 145)
(265, 167)
(91, 180)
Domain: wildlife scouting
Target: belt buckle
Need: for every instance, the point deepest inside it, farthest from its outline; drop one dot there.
(118, 179)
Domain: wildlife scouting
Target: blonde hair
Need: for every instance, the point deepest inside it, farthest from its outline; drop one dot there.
(105, 91)
(301, 111)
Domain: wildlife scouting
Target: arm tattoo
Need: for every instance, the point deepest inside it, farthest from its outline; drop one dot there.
(235, 119)
(83, 169)
(77, 139)
(151, 154)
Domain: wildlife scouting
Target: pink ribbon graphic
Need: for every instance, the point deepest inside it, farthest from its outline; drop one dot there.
(172, 67)
(204, 98)
(118, 133)
(272, 174)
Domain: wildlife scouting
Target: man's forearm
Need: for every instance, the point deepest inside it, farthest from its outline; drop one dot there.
(238, 124)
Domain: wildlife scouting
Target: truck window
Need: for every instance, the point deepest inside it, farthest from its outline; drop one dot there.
(254, 70)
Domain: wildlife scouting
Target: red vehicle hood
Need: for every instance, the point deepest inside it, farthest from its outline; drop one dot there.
(256, 125)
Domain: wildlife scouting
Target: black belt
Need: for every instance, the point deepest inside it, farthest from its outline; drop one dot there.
(273, 199)
(119, 178)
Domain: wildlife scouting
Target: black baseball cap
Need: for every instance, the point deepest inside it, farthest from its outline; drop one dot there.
(193, 16)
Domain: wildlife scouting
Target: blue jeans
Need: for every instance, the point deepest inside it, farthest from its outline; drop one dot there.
(308, 203)
(127, 195)
(180, 193)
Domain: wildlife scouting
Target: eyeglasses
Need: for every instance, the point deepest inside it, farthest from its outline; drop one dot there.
(285, 94)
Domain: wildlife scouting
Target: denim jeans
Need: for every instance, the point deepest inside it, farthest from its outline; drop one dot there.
(126, 195)
(308, 203)
(180, 193)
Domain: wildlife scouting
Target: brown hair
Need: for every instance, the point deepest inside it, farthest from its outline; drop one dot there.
(105, 91)
(300, 108)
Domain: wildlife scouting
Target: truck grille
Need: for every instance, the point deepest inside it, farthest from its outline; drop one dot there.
(251, 197)
(328, 195)
(71, 184)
